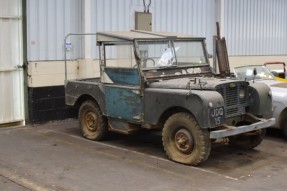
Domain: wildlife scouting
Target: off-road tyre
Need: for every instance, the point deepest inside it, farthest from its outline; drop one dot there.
(92, 122)
(246, 141)
(184, 141)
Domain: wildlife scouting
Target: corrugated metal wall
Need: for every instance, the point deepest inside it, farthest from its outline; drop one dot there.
(49, 21)
(256, 27)
(10, 13)
(195, 17)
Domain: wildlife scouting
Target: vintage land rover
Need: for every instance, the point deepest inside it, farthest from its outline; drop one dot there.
(164, 81)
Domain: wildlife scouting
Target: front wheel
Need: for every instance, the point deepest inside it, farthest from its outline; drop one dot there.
(93, 123)
(184, 141)
(246, 141)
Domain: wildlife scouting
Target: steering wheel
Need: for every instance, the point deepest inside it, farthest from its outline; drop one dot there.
(144, 62)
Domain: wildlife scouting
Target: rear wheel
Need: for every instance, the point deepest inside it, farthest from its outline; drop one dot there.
(184, 141)
(93, 124)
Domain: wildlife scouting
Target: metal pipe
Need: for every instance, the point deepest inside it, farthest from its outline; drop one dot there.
(65, 49)
(148, 6)
(144, 6)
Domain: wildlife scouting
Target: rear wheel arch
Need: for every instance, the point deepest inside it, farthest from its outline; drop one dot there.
(85, 97)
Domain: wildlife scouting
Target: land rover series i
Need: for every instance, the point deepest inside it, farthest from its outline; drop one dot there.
(164, 81)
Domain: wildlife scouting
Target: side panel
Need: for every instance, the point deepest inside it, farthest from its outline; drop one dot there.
(122, 94)
(157, 101)
(123, 103)
(76, 89)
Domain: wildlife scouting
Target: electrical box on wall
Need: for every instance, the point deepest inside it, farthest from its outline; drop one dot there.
(143, 21)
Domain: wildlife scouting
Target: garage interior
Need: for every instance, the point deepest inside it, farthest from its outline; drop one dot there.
(32, 57)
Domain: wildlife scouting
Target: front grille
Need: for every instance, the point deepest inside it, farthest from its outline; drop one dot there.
(233, 104)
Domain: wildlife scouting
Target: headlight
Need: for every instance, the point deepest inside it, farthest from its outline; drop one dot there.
(242, 94)
(210, 104)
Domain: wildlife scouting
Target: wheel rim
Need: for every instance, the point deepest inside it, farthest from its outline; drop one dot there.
(184, 141)
(91, 121)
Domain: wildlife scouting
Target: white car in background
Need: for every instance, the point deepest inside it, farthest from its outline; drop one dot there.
(260, 74)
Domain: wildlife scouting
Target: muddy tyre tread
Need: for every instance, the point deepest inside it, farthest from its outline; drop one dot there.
(102, 129)
(202, 141)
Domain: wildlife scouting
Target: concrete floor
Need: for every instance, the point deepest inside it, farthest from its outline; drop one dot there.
(54, 156)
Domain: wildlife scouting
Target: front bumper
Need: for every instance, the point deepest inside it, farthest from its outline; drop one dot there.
(233, 130)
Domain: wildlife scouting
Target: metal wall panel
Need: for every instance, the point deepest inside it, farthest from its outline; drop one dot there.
(10, 30)
(194, 17)
(11, 77)
(256, 27)
(11, 8)
(109, 15)
(11, 96)
(49, 21)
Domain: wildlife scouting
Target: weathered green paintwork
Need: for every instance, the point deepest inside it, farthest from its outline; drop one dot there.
(123, 102)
